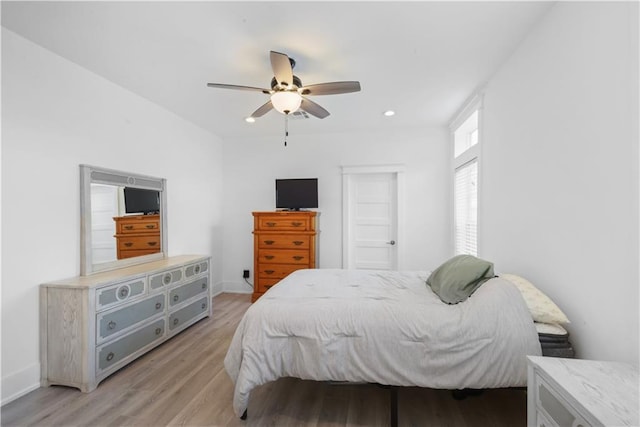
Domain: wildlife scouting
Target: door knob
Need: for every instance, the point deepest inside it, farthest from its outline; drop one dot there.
(393, 242)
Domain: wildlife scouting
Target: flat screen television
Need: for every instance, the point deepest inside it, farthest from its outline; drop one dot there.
(296, 194)
(139, 200)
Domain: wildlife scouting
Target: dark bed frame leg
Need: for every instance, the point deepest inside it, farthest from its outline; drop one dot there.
(393, 402)
(244, 415)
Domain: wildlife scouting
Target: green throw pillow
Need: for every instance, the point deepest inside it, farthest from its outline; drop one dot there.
(459, 277)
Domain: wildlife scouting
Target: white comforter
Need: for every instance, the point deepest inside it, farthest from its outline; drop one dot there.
(381, 327)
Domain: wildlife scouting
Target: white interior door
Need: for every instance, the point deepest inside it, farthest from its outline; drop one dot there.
(371, 221)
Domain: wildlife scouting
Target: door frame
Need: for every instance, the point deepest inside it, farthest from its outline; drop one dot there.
(347, 173)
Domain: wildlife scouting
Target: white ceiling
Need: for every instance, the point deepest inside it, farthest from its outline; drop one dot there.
(421, 59)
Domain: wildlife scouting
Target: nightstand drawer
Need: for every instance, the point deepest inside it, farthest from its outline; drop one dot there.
(283, 256)
(555, 408)
(283, 241)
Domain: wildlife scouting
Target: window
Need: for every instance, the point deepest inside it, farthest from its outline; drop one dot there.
(465, 192)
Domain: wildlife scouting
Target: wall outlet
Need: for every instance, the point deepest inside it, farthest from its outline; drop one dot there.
(245, 274)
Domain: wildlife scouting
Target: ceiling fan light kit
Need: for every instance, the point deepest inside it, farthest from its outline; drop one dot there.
(286, 102)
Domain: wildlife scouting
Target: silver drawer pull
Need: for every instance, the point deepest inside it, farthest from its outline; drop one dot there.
(197, 269)
(176, 298)
(175, 321)
(204, 305)
(158, 331)
(158, 305)
(111, 325)
(110, 356)
(204, 286)
(166, 279)
(123, 292)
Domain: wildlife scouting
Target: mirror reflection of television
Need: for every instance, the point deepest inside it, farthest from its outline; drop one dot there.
(141, 201)
(298, 193)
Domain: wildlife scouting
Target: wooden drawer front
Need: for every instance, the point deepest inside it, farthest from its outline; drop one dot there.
(283, 256)
(555, 408)
(280, 223)
(184, 292)
(196, 269)
(121, 319)
(139, 242)
(277, 271)
(183, 316)
(140, 226)
(120, 293)
(166, 278)
(112, 353)
(137, 252)
(283, 241)
(265, 284)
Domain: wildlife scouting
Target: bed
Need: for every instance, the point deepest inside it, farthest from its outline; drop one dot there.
(383, 327)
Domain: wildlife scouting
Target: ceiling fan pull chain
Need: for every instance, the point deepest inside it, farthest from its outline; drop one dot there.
(286, 128)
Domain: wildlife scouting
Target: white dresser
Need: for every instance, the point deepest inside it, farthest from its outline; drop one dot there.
(581, 393)
(91, 326)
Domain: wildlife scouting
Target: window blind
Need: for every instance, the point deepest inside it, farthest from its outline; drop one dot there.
(466, 208)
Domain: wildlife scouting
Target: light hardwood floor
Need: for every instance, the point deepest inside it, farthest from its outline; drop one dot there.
(183, 382)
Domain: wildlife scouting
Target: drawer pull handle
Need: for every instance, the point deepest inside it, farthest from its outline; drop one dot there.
(150, 226)
(197, 269)
(166, 279)
(298, 257)
(128, 244)
(111, 325)
(298, 242)
(267, 286)
(269, 257)
(158, 331)
(158, 305)
(271, 224)
(269, 242)
(110, 356)
(204, 305)
(128, 227)
(152, 243)
(296, 224)
(123, 292)
(269, 271)
(175, 321)
(204, 285)
(176, 298)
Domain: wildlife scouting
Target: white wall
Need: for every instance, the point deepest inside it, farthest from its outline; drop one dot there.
(55, 116)
(252, 165)
(560, 171)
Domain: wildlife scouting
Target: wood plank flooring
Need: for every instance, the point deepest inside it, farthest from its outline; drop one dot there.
(183, 383)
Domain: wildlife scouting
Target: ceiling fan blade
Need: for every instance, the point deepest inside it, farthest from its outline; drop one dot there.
(281, 68)
(313, 108)
(251, 88)
(264, 109)
(332, 88)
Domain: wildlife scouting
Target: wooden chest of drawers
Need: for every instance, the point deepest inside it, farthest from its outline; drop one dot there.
(283, 242)
(91, 326)
(137, 235)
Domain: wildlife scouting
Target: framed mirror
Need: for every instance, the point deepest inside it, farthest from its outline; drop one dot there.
(122, 219)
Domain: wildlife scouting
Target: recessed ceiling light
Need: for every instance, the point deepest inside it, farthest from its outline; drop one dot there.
(250, 120)
(389, 113)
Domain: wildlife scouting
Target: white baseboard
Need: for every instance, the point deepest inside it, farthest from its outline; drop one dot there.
(20, 383)
(237, 288)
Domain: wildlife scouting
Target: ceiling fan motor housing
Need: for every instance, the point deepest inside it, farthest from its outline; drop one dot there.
(296, 82)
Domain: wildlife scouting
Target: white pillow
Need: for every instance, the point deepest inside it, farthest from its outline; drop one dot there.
(541, 307)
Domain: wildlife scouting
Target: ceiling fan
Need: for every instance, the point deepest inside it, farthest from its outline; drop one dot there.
(287, 92)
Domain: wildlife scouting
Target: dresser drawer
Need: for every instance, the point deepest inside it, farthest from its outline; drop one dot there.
(166, 278)
(136, 252)
(112, 353)
(264, 284)
(556, 411)
(283, 241)
(283, 223)
(196, 269)
(120, 293)
(120, 319)
(138, 242)
(138, 226)
(189, 290)
(277, 271)
(185, 316)
(283, 256)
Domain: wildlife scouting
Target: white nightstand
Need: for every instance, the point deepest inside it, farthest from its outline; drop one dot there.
(581, 393)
